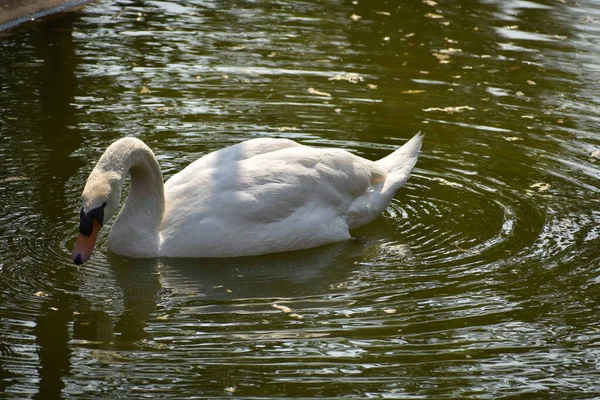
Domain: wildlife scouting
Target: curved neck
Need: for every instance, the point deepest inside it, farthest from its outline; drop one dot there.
(135, 232)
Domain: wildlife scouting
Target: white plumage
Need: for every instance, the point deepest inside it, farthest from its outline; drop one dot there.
(255, 197)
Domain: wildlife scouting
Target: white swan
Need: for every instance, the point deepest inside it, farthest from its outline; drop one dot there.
(256, 197)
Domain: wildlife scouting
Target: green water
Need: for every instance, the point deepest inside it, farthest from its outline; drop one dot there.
(481, 280)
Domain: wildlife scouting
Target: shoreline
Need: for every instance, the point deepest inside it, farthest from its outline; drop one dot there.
(17, 12)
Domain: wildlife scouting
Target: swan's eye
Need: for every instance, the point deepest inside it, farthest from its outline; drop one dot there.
(85, 224)
(98, 214)
(85, 220)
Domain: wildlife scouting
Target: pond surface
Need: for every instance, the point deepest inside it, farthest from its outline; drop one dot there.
(481, 280)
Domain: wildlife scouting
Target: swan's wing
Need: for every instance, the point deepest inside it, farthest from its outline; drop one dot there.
(226, 156)
(274, 186)
(274, 175)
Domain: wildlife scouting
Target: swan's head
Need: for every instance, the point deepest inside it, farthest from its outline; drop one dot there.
(100, 200)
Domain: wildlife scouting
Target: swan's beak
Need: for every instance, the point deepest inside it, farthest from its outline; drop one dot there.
(85, 244)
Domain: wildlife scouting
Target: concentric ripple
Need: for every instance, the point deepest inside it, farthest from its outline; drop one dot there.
(452, 222)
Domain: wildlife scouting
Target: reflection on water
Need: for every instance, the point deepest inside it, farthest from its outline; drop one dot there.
(480, 281)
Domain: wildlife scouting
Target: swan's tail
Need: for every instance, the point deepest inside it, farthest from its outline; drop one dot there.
(403, 160)
(398, 165)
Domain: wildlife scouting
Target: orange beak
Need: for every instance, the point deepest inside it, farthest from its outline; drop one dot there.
(85, 244)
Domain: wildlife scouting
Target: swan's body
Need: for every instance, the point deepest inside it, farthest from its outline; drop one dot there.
(256, 197)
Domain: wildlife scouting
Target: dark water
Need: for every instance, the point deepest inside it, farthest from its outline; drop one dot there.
(481, 281)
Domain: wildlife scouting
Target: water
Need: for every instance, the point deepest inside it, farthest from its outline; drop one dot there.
(480, 281)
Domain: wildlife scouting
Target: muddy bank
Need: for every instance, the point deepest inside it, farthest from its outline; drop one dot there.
(15, 12)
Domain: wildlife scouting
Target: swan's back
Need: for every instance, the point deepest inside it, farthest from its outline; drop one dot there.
(268, 195)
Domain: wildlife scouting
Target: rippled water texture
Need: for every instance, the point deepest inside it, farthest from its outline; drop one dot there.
(480, 281)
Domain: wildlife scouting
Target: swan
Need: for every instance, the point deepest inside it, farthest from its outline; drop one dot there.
(259, 196)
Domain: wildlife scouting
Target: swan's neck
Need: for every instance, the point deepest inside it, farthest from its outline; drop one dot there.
(135, 232)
